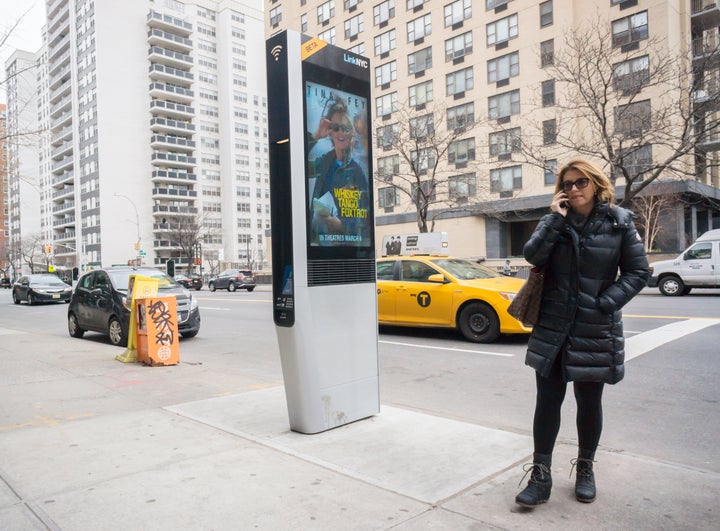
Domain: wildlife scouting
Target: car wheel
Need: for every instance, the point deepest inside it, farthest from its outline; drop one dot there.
(193, 333)
(30, 299)
(211, 286)
(116, 333)
(15, 298)
(250, 288)
(74, 327)
(198, 288)
(671, 286)
(231, 286)
(479, 323)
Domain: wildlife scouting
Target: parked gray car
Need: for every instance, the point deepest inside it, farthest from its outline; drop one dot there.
(44, 287)
(232, 279)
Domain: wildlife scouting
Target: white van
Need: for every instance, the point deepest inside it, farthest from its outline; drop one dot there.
(697, 267)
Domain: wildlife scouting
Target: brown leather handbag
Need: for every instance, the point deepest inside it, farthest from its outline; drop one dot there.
(525, 307)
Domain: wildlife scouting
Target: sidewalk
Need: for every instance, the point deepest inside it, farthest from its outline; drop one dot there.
(230, 462)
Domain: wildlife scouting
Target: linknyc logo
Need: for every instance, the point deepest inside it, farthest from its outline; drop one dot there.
(362, 63)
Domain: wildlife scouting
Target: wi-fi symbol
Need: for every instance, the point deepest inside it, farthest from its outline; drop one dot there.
(276, 51)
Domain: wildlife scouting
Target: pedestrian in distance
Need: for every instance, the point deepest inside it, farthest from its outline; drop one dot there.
(581, 243)
(507, 270)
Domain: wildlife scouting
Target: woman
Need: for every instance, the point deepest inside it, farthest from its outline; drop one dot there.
(340, 195)
(579, 337)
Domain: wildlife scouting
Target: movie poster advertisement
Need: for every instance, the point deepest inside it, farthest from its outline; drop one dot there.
(337, 168)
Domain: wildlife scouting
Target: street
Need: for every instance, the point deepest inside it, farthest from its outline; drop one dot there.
(666, 409)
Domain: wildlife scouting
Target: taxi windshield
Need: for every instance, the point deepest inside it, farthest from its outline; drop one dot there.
(465, 269)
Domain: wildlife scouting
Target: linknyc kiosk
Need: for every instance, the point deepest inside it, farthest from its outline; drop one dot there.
(323, 249)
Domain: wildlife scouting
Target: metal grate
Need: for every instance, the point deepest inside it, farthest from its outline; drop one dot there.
(326, 272)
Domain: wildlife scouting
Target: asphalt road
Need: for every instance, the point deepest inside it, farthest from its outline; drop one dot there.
(666, 408)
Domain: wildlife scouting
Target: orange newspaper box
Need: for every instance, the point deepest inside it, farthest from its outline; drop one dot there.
(157, 331)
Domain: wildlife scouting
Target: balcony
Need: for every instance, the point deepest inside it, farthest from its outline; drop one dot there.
(66, 177)
(164, 244)
(62, 150)
(63, 120)
(173, 193)
(168, 73)
(161, 90)
(173, 177)
(179, 261)
(158, 37)
(175, 210)
(64, 222)
(58, 63)
(63, 193)
(157, 54)
(704, 14)
(61, 77)
(172, 110)
(58, 18)
(64, 207)
(163, 124)
(62, 105)
(63, 165)
(60, 46)
(172, 142)
(60, 92)
(173, 159)
(52, 6)
(710, 143)
(62, 136)
(166, 22)
(64, 236)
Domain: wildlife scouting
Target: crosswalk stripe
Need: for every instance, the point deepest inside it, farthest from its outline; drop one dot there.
(640, 344)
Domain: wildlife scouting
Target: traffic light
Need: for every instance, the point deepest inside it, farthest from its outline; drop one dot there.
(48, 249)
(137, 246)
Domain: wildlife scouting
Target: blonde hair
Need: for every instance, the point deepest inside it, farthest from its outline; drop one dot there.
(604, 189)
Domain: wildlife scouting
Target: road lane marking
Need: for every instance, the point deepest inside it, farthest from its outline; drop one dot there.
(445, 348)
(681, 317)
(9, 331)
(642, 343)
(219, 309)
(230, 300)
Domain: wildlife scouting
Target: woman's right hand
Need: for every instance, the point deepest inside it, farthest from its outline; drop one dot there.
(323, 129)
(559, 204)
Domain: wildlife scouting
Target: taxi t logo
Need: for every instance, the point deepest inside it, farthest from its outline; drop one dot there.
(423, 299)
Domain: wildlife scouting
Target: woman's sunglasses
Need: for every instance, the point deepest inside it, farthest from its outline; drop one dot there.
(581, 183)
(337, 127)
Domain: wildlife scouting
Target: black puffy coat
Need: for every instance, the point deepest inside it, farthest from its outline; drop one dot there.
(582, 293)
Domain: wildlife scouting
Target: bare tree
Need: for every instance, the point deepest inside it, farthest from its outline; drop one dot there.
(212, 258)
(648, 210)
(30, 250)
(188, 232)
(604, 110)
(429, 161)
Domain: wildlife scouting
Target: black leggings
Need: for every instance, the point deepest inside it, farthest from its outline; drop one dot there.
(550, 395)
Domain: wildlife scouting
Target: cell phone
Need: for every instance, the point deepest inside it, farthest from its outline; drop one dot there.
(564, 204)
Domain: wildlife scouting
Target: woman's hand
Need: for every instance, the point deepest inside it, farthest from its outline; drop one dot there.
(559, 204)
(323, 129)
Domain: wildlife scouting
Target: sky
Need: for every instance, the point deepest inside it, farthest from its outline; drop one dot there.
(27, 36)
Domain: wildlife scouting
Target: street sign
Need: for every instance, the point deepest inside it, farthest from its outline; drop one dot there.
(142, 253)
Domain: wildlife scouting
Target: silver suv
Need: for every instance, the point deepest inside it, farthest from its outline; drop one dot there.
(232, 279)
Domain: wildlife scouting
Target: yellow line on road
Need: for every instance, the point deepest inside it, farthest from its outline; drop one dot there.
(668, 317)
(231, 300)
(41, 420)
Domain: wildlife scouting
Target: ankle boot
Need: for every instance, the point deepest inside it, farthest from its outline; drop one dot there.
(585, 479)
(540, 483)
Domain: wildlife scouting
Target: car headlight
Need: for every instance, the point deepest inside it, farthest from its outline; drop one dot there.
(124, 301)
(507, 296)
(193, 303)
(39, 290)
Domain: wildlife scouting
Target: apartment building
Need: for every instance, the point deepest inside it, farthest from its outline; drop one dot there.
(489, 64)
(4, 186)
(157, 130)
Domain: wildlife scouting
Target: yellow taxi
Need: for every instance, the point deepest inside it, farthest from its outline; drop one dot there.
(447, 292)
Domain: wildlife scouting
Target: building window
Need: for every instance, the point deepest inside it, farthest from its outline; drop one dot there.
(354, 26)
(457, 11)
(422, 126)
(631, 75)
(275, 16)
(629, 30)
(388, 166)
(385, 42)
(549, 128)
(504, 105)
(506, 179)
(420, 61)
(421, 94)
(325, 12)
(503, 67)
(328, 36)
(637, 161)
(388, 197)
(385, 105)
(303, 23)
(460, 116)
(412, 4)
(419, 28)
(459, 82)
(428, 191)
(461, 151)
(462, 187)
(546, 13)
(550, 170)
(633, 119)
(505, 142)
(548, 93)
(502, 30)
(383, 12)
(459, 46)
(386, 135)
(349, 4)
(386, 73)
(547, 53)
(422, 160)
(359, 48)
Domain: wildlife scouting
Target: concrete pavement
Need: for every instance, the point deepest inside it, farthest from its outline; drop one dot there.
(88, 443)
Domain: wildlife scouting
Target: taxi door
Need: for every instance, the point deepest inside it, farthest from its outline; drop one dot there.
(419, 301)
(386, 290)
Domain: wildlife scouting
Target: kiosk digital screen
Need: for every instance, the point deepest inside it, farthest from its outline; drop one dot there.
(339, 186)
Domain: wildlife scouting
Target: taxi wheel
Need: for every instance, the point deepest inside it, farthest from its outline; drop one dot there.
(479, 323)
